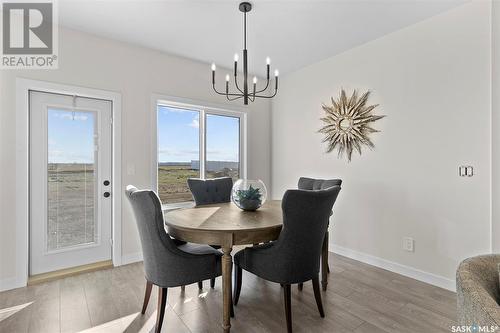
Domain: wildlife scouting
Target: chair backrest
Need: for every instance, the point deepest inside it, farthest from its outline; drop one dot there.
(157, 246)
(210, 191)
(306, 183)
(478, 291)
(305, 220)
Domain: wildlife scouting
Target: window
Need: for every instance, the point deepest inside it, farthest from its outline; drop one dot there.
(223, 146)
(178, 152)
(187, 135)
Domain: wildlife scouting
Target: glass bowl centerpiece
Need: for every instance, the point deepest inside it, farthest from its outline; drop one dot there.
(249, 194)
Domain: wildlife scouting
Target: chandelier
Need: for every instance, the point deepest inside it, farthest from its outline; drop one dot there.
(245, 7)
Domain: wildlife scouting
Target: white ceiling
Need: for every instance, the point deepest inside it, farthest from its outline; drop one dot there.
(293, 33)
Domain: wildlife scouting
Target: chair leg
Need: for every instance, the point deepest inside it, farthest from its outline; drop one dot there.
(237, 284)
(200, 285)
(147, 294)
(232, 308)
(183, 289)
(212, 283)
(317, 296)
(162, 301)
(301, 286)
(324, 262)
(288, 307)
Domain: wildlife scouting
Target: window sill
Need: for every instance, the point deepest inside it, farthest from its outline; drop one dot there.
(172, 206)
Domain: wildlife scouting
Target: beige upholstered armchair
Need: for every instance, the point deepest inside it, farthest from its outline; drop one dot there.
(478, 291)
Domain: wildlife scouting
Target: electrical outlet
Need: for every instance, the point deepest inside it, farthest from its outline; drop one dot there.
(466, 171)
(408, 244)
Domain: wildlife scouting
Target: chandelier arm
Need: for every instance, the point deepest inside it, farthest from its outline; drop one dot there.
(236, 84)
(267, 85)
(224, 94)
(263, 96)
(234, 98)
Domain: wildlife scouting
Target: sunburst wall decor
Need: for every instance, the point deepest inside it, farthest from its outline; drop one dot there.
(348, 123)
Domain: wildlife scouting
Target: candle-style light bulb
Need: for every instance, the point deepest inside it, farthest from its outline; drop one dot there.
(255, 80)
(213, 74)
(227, 77)
(276, 73)
(268, 61)
(236, 57)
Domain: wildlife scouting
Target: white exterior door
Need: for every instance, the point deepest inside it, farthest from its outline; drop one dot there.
(70, 181)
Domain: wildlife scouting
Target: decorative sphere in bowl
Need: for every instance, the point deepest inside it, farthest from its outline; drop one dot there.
(249, 194)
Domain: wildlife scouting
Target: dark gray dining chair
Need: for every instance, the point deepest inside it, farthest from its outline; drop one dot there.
(210, 191)
(294, 257)
(306, 183)
(167, 264)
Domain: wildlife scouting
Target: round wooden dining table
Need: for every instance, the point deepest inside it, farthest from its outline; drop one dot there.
(226, 225)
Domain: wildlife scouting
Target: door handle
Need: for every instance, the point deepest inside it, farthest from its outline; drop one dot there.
(106, 194)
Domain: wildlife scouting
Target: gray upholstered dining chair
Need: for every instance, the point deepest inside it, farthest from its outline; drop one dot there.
(210, 191)
(167, 264)
(294, 257)
(306, 183)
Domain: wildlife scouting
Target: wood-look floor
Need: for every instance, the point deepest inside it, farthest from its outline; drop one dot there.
(360, 298)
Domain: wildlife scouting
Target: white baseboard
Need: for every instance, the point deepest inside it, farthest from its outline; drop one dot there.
(407, 271)
(11, 283)
(436, 280)
(14, 282)
(131, 258)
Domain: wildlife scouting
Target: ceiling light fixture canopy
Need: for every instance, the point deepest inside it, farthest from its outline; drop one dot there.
(245, 7)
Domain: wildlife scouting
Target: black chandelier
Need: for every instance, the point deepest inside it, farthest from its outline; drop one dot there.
(245, 7)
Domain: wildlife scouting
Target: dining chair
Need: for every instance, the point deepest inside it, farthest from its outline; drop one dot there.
(294, 257)
(210, 191)
(306, 183)
(167, 264)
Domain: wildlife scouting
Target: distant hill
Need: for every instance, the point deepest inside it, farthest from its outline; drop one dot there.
(174, 163)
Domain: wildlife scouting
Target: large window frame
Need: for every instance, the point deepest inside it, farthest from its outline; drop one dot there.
(204, 109)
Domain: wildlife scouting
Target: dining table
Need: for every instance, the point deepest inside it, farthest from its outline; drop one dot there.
(225, 225)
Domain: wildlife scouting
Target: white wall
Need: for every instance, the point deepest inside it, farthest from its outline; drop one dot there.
(136, 73)
(433, 82)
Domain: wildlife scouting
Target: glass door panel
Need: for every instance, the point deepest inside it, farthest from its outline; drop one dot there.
(71, 178)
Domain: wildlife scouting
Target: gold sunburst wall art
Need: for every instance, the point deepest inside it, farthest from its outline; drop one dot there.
(348, 123)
